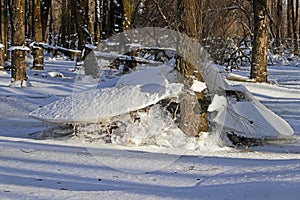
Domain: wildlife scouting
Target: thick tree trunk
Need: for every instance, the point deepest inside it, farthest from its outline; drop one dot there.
(18, 41)
(260, 43)
(193, 115)
(38, 62)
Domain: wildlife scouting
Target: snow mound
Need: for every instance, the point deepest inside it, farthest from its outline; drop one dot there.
(96, 105)
(241, 114)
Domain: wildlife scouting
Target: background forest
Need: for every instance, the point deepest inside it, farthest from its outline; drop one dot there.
(221, 25)
(148, 125)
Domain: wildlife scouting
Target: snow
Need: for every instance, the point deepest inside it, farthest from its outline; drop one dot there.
(198, 86)
(98, 105)
(22, 48)
(245, 116)
(70, 168)
(19, 84)
(55, 74)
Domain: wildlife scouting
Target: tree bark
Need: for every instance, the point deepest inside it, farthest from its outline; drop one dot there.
(289, 13)
(38, 52)
(279, 16)
(97, 24)
(4, 55)
(18, 41)
(45, 10)
(126, 14)
(80, 16)
(295, 21)
(64, 24)
(260, 43)
(193, 112)
(91, 17)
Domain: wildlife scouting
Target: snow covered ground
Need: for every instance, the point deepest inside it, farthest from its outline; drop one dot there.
(67, 168)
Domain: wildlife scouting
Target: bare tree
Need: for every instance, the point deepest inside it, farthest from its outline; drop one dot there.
(3, 32)
(279, 21)
(260, 43)
(17, 8)
(289, 14)
(45, 11)
(38, 52)
(295, 22)
(97, 23)
(79, 12)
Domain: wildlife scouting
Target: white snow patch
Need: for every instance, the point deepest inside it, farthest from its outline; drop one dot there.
(22, 48)
(56, 74)
(198, 86)
(18, 84)
(236, 77)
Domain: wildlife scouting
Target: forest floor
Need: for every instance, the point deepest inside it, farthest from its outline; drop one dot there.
(63, 168)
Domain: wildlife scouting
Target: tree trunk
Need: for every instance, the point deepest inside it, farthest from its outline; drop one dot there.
(106, 20)
(2, 38)
(295, 21)
(260, 43)
(193, 115)
(91, 17)
(3, 32)
(80, 15)
(97, 24)
(126, 14)
(64, 25)
(279, 15)
(289, 13)
(18, 41)
(45, 10)
(38, 52)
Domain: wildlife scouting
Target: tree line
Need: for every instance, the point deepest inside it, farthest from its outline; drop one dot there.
(26, 25)
(74, 23)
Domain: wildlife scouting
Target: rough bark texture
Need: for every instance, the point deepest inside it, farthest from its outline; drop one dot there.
(279, 15)
(260, 43)
(64, 24)
(193, 118)
(45, 10)
(295, 27)
(289, 14)
(80, 15)
(91, 17)
(38, 62)
(18, 40)
(3, 32)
